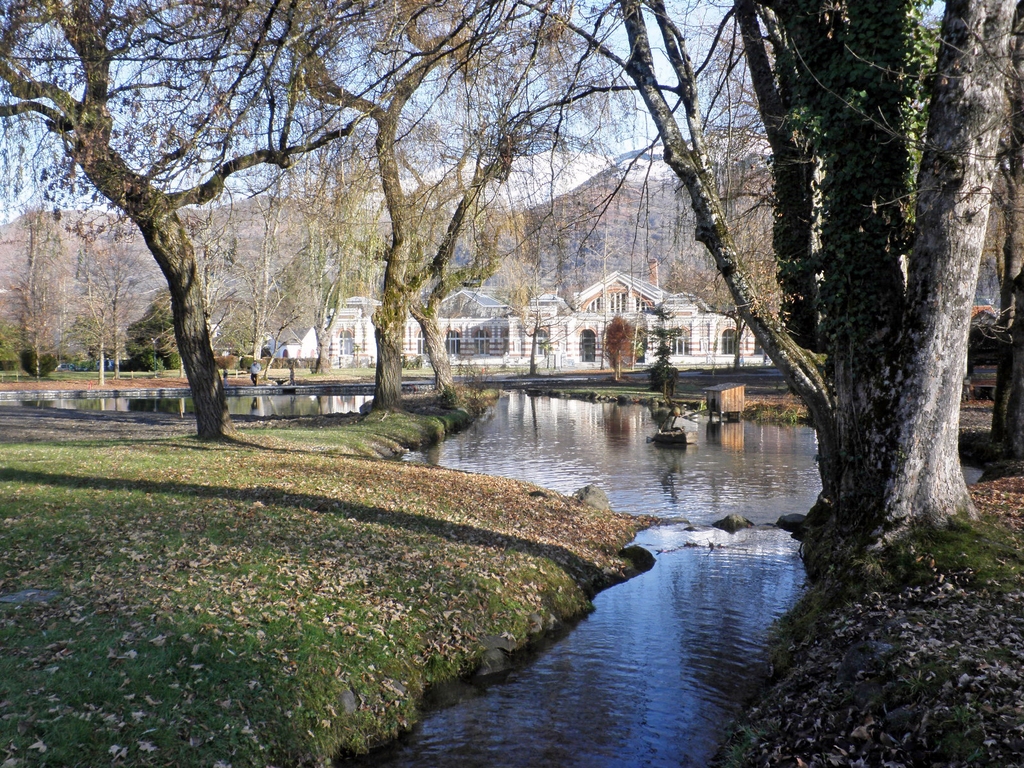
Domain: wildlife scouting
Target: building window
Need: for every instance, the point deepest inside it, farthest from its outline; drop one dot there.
(727, 346)
(595, 305)
(454, 343)
(588, 346)
(543, 340)
(420, 345)
(481, 341)
(347, 343)
(681, 343)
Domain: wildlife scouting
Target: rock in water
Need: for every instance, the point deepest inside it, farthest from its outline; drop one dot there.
(593, 496)
(733, 523)
(794, 523)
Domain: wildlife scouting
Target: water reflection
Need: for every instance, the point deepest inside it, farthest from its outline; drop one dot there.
(760, 471)
(652, 676)
(263, 406)
(648, 679)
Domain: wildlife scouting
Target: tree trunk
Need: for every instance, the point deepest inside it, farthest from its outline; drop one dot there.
(1013, 251)
(1008, 413)
(437, 349)
(323, 350)
(533, 348)
(794, 237)
(389, 329)
(737, 361)
(170, 246)
(954, 197)
(1013, 442)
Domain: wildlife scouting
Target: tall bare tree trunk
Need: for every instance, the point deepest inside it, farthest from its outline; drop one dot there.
(436, 346)
(533, 347)
(389, 329)
(172, 249)
(954, 197)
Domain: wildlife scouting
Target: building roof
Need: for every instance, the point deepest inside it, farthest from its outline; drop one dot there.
(468, 303)
(647, 290)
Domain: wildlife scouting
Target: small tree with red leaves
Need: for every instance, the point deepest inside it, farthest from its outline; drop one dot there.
(619, 345)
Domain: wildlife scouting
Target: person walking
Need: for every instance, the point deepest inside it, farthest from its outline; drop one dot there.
(254, 371)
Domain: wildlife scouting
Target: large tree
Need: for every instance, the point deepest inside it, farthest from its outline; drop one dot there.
(899, 249)
(1008, 414)
(408, 65)
(158, 104)
(484, 55)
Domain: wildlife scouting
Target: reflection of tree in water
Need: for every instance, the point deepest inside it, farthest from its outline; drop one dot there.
(671, 476)
(618, 422)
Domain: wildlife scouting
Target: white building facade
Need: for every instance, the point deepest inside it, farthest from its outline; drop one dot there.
(484, 332)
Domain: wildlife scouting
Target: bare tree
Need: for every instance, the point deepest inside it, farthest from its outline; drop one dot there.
(220, 93)
(41, 298)
(441, 49)
(341, 240)
(111, 278)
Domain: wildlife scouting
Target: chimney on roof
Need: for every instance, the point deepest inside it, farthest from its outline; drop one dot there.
(653, 270)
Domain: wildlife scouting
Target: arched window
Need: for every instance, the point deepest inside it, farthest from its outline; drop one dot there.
(588, 346)
(543, 340)
(454, 343)
(481, 341)
(727, 346)
(420, 344)
(347, 343)
(681, 343)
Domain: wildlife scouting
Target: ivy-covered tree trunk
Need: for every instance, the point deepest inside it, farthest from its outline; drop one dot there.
(794, 166)
(436, 347)
(885, 401)
(1008, 411)
(1013, 441)
(1012, 205)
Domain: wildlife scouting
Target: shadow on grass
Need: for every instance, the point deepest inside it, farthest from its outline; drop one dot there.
(590, 577)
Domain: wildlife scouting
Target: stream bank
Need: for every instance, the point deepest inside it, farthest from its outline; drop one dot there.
(273, 599)
(924, 675)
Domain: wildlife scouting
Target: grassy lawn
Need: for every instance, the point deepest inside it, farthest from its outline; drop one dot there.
(270, 601)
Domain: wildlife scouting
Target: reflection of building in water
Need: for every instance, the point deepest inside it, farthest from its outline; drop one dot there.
(728, 434)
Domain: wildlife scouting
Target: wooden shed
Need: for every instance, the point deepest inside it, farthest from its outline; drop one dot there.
(725, 400)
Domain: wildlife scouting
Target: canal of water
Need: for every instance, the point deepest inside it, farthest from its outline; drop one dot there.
(262, 406)
(654, 674)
